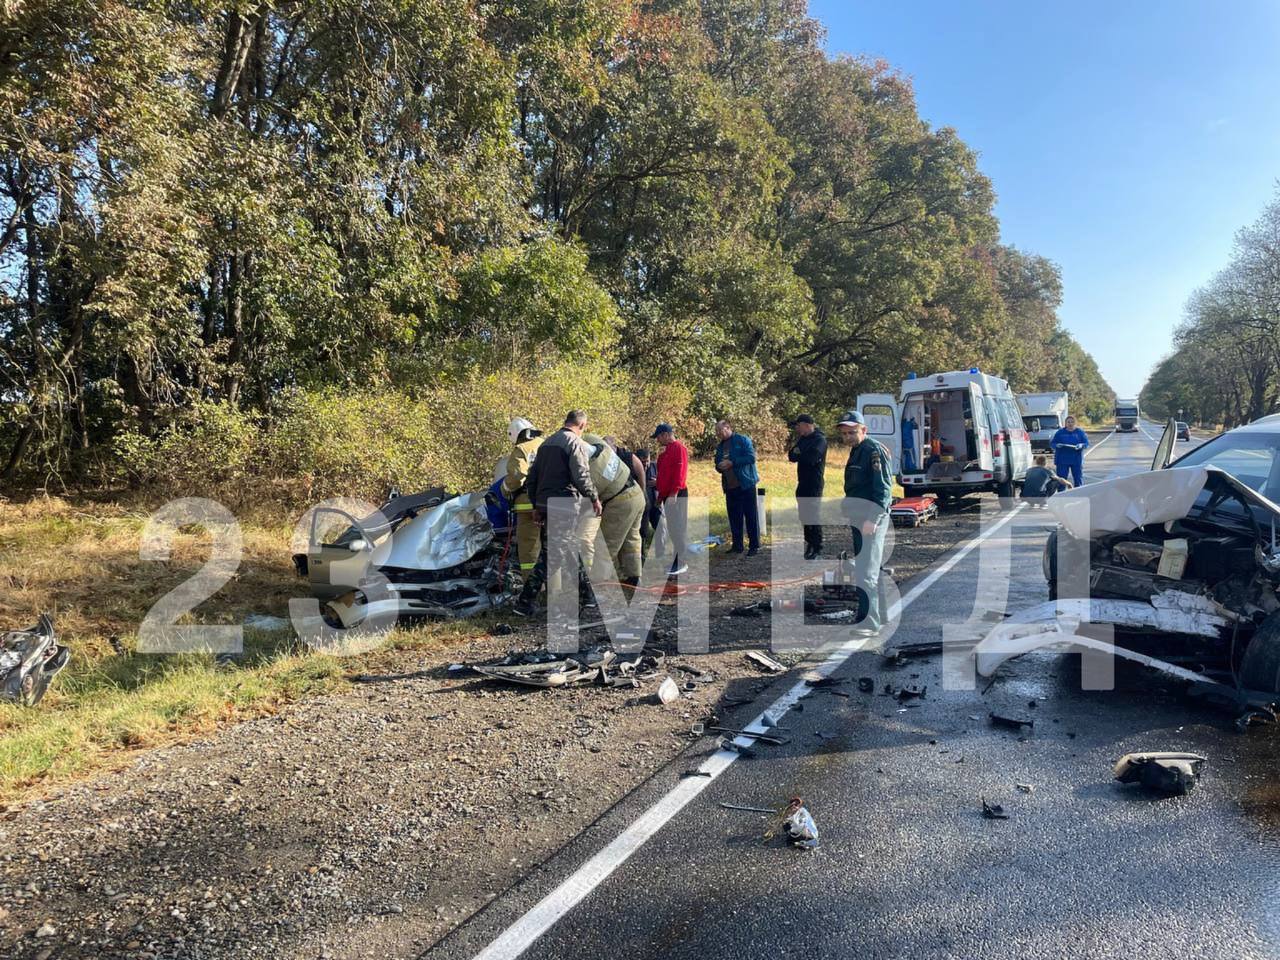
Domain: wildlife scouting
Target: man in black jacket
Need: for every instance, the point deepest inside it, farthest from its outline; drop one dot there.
(809, 454)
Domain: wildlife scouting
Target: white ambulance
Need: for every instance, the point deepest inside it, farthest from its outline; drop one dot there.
(952, 433)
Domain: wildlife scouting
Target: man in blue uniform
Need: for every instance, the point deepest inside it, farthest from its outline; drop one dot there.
(1069, 445)
(868, 490)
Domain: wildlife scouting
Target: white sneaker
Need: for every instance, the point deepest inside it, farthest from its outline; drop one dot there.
(676, 571)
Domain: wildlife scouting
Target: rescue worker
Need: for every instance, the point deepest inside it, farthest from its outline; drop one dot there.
(1069, 445)
(736, 461)
(868, 489)
(561, 488)
(620, 483)
(526, 440)
(809, 454)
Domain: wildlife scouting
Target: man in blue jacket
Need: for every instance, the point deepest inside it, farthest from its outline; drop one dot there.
(736, 461)
(1069, 445)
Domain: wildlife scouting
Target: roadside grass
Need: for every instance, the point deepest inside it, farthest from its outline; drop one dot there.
(79, 561)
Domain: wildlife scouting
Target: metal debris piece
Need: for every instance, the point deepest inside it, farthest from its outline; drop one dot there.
(1171, 773)
(765, 661)
(993, 811)
(747, 809)
(763, 737)
(824, 681)
(1259, 715)
(724, 743)
(1010, 723)
(1025, 787)
(866, 685)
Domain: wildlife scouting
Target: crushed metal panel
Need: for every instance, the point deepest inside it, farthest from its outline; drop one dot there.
(1126, 503)
(1178, 612)
(444, 536)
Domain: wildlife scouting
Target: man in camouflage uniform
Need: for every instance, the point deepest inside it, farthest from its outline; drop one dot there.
(868, 490)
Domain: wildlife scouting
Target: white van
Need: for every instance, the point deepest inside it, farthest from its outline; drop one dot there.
(962, 431)
(1042, 415)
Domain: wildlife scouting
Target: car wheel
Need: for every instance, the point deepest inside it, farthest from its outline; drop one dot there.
(1260, 666)
(1005, 489)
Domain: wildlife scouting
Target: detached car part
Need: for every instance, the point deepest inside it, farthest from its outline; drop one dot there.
(1173, 773)
(29, 660)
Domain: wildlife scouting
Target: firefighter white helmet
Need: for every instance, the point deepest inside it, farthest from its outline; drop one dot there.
(517, 426)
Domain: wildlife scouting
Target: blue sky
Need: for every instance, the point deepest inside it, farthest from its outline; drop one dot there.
(1128, 142)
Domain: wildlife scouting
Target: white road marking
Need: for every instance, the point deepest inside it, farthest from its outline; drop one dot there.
(518, 937)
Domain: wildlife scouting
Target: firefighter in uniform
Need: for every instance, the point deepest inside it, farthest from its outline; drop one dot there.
(623, 501)
(526, 440)
(868, 489)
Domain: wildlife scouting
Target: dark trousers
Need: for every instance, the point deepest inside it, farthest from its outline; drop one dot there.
(812, 531)
(743, 510)
(1072, 471)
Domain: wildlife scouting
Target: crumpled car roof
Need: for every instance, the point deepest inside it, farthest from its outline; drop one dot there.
(1126, 503)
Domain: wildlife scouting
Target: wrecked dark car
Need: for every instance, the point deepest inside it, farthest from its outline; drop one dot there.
(428, 555)
(1183, 561)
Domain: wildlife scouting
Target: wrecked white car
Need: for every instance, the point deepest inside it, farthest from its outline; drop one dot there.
(428, 555)
(1183, 561)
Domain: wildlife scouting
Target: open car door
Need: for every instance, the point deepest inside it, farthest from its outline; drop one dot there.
(884, 423)
(1164, 449)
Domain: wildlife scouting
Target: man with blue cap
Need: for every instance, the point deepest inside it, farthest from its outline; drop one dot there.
(868, 490)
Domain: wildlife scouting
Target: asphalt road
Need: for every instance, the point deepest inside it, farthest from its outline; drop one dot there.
(908, 867)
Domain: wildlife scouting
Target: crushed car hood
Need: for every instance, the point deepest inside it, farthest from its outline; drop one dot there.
(444, 536)
(1126, 503)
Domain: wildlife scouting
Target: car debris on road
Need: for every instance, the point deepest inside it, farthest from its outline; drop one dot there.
(993, 811)
(29, 660)
(543, 668)
(1171, 773)
(799, 826)
(1010, 723)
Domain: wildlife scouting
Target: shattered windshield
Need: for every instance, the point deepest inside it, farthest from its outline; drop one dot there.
(1249, 457)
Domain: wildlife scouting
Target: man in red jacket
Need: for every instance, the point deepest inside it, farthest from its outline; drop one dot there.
(672, 493)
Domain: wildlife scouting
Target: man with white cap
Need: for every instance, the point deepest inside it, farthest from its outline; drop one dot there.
(868, 490)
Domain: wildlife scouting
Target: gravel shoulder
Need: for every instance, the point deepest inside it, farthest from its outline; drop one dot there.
(370, 823)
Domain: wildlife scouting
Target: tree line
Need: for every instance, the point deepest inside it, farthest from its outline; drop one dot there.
(1225, 364)
(231, 203)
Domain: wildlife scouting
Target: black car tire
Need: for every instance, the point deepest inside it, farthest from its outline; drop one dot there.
(1260, 665)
